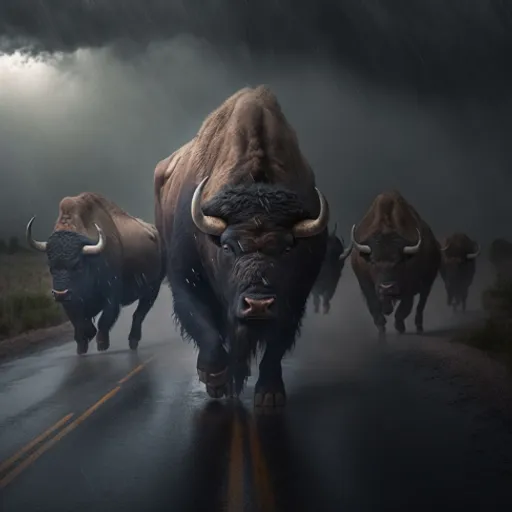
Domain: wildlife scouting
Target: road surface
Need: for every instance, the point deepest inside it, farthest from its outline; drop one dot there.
(413, 424)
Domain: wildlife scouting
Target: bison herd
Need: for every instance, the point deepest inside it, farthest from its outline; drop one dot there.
(241, 232)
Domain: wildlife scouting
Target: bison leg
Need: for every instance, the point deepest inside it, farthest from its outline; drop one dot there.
(402, 312)
(197, 321)
(327, 305)
(418, 320)
(269, 390)
(464, 299)
(105, 323)
(84, 331)
(316, 302)
(375, 310)
(145, 304)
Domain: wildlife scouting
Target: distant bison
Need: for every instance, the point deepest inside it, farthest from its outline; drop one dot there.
(500, 255)
(458, 266)
(245, 232)
(330, 273)
(395, 257)
(125, 264)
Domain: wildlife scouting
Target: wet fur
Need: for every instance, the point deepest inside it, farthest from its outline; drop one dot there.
(130, 268)
(389, 218)
(251, 155)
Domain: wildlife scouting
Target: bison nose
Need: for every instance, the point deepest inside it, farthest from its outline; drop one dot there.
(388, 288)
(61, 295)
(260, 306)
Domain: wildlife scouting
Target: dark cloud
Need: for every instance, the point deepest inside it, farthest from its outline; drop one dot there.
(136, 80)
(92, 121)
(436, 46)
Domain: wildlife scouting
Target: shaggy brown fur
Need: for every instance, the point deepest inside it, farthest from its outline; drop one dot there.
(390, 211)
(244, 140)
(131, 242)
(458, 245)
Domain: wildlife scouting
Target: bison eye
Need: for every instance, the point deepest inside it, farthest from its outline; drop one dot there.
(226, 248)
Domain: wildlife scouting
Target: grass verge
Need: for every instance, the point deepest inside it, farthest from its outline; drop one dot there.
(25, 299)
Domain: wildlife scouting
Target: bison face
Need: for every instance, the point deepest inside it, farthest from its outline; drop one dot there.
(388, 256)
(267, 252)
(73, 260)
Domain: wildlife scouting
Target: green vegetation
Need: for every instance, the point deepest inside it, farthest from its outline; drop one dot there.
(25, 298)
(495, 335)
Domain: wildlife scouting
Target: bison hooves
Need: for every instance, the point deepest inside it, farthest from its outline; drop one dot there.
(400, 326)
(419, 329)
(216, 383)
(133, 343)
(269, 400)
(82, 347)
(217, 392)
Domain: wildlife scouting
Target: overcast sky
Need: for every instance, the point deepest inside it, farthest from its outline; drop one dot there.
(413, 97)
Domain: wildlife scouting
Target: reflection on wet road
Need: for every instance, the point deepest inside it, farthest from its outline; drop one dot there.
(368, 427)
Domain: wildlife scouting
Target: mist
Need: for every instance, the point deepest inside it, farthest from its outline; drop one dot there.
(101, 111)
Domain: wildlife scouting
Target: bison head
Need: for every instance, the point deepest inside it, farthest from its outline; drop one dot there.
(266, 250)
(69, 254)
(388, 255)
(456, 256)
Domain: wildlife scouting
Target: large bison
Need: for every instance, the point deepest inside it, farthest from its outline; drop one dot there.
(500, 256)
(245, 230)
(330, 273)
(125, 264)
(458, 266)
(395, 257)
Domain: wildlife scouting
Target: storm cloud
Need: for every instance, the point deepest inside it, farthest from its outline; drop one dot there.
(402, 94)
(435, 46)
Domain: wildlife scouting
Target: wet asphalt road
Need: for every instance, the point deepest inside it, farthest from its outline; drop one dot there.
(368, 426)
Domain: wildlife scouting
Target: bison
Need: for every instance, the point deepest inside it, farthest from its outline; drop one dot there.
(395, 257)
(500, 256)
(458, 266)
(245, 231)
(125, 264)
(330, 273)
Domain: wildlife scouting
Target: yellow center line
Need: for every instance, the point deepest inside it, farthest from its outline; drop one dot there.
(264, 492)
(46, 446)
(136, 370)
(10, 461)
(236, 469)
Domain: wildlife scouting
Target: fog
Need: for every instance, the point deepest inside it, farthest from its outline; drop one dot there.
(100, 113)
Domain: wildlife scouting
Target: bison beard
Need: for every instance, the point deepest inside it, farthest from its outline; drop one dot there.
(252, 258)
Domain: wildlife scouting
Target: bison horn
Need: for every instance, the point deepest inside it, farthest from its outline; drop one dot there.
(346, 252)
(365, 249)
(38, 246)
(99, 246)
(335, 228)
(209, 225)
(445, 247)
(473, 255)
(413, 249)
(312, 227)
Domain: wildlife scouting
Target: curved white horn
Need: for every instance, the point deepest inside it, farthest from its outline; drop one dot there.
(209, 225)
(473, 255)
(38, 246)
(312, 227)
(98, 247)
(413, 249)
(365, 249)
